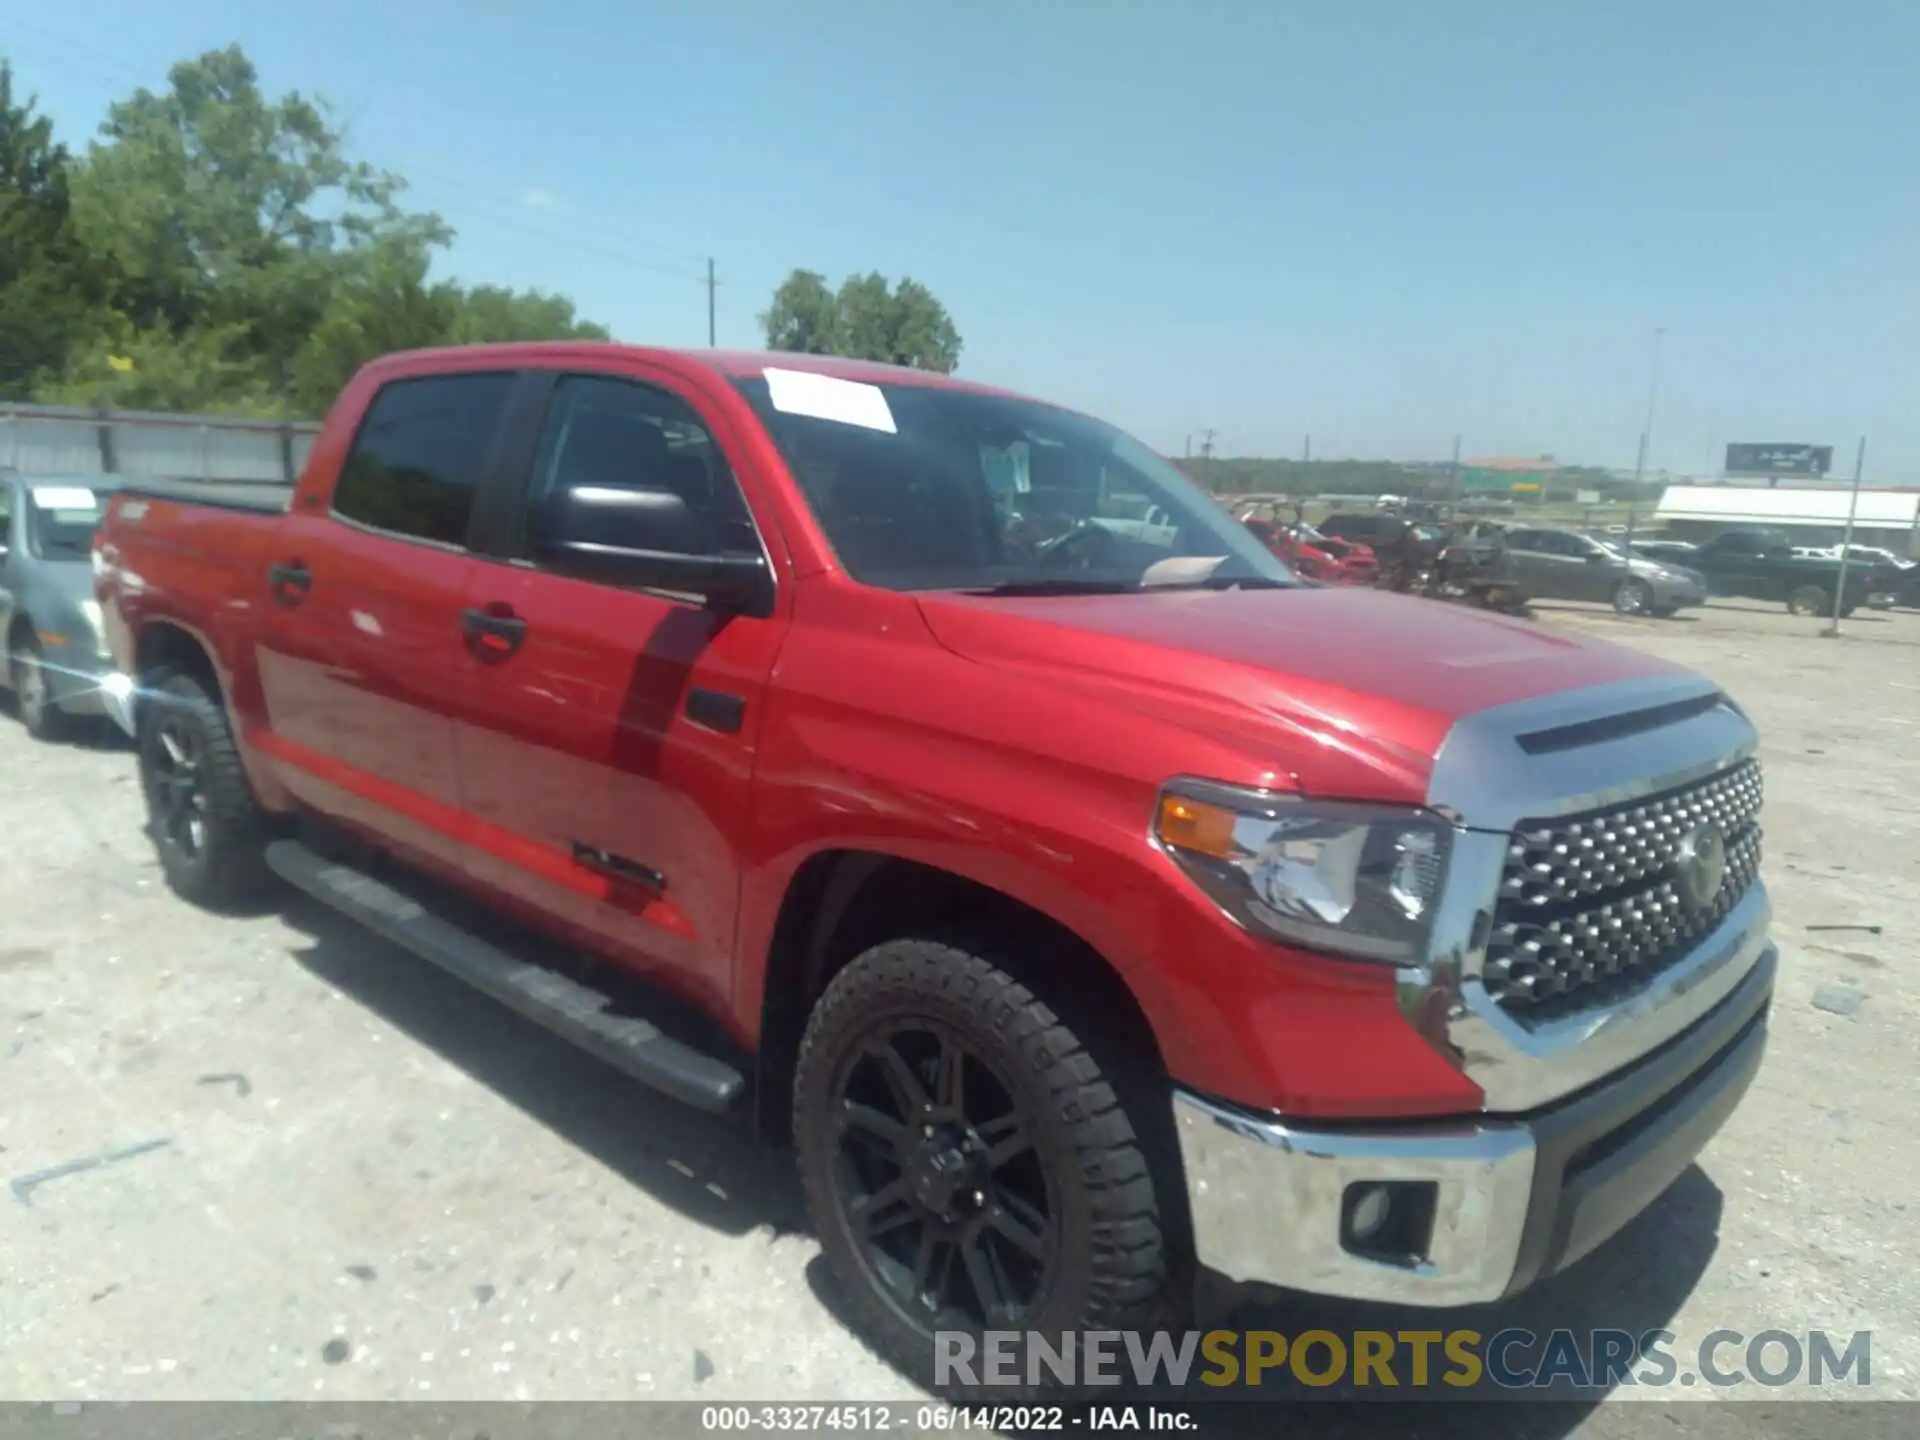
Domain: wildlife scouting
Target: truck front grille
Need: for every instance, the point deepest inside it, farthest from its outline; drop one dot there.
(1592, 906)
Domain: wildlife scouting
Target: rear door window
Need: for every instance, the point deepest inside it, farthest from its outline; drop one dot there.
(418, 458)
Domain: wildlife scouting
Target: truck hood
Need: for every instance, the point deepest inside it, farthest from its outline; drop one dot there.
(1365, 682)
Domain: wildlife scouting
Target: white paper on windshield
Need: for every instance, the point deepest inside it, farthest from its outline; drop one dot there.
(1181, 570)
(65, 497)
(828, 397)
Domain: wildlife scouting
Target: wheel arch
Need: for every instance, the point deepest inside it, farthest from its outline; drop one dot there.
(840, 903)
(164, 645)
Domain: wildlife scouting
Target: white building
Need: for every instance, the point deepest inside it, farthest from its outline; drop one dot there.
(1810, 516)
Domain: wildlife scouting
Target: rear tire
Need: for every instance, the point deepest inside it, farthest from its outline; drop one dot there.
(206, 830)
(969, 1166)
(42, 718)
(1809, 600)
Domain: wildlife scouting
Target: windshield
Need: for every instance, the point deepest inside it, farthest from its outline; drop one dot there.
(925, 488)
(61, 522)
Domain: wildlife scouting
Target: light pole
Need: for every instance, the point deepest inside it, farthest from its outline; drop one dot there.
(1846, 540)
(1646, 437)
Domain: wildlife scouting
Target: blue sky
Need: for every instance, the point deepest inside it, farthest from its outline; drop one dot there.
(1378, 222)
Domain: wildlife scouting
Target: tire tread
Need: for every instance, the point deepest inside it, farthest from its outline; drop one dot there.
(1134, 1279)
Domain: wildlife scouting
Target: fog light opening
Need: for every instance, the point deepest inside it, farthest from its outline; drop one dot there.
(1371, 1206)
(1389, 1221)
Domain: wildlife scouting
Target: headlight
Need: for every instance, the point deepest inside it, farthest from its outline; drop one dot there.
(91, 609)
(1356, 880)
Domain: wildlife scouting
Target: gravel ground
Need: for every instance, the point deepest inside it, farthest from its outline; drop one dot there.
(300, 1164)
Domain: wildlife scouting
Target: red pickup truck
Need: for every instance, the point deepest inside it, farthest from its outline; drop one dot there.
(1082, 897)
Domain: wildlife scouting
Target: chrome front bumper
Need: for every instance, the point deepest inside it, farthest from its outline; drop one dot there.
(1511, 1199)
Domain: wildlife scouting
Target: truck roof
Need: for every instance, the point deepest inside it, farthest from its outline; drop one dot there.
(734, 364)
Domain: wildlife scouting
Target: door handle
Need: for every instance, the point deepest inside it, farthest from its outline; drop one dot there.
(493, 632)
(289, 581)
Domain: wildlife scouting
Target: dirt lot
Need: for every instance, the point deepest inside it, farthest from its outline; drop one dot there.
(326, 1170)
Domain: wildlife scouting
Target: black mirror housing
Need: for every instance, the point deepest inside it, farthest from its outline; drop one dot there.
(649, 539)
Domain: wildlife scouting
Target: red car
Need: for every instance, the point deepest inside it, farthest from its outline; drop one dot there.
(1080, 907)
(1313, 556)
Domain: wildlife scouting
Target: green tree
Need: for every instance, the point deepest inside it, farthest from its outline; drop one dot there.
(803, 318)
(255, 264)
(49, 290)
(865, 320)
(489, 312)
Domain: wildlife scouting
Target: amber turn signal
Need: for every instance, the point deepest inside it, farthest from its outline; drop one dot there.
(1190, 824)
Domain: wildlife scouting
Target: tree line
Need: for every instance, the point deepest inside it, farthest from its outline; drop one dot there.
(217, 250)
(214, 249)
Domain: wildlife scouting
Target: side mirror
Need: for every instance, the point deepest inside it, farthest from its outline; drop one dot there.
(1599, 557)
(650, 539)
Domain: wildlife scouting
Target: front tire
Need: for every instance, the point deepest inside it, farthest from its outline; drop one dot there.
(40, 714)
(1632, 597)
(201, 817)
(968, 1164)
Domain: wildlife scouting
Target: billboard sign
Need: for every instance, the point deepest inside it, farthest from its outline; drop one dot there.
(1779, 459)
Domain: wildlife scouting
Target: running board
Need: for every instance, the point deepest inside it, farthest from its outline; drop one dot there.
(574, 1012)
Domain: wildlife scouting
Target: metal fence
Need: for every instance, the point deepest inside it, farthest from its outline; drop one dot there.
(66, 440)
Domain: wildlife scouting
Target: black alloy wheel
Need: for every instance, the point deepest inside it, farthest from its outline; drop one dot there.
(939, 1182)
(176, 794)
(206, 830)
(974, 1160)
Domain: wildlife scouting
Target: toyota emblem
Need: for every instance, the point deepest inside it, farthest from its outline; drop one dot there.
(1700, 867)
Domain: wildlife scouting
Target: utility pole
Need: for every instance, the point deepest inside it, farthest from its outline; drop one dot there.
(1206, 444)
(1846, 538)
(1646, 438)
(1306, 450)
(1453, 471)
(711, 283)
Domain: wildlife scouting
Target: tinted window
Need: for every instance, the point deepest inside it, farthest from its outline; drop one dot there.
(1524, 540)
(1558, 542)
(923, 487)
(616, 433)
(417, 460)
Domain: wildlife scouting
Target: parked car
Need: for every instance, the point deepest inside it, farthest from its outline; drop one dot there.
(1080, 913)
(56, 656)
(1899, 575)
(1759, 563)
(1563, 565)
(1309, 554)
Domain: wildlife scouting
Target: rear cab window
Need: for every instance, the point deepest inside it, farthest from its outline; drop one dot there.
(417, 460)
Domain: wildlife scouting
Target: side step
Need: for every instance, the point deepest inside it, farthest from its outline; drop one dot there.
(569, 1009)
